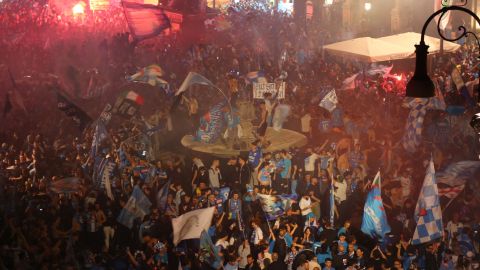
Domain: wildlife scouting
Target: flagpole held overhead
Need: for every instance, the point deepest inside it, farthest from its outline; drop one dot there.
(428, 212)
(375, 222)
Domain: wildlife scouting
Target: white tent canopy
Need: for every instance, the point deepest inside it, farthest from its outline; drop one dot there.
(410, 39)
(367, 49)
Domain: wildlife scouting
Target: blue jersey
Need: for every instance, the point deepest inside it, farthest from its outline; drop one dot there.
(254, 157)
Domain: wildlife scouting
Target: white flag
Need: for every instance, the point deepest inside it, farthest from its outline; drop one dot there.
(330, 101)
(439, 4)
(191, 224)
(193, 78)
(349, 83)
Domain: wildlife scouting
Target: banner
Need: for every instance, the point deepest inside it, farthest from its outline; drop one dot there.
(330, 101)
(128, 104)
(99, 5)
(276, 89)
(65, 185)
(211, 124)
(106, 114)
(191, 224)
(145, 21)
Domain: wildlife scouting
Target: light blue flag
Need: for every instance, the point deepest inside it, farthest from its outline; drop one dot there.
(208, 251)
(275, 206)
(162, 196)
(375, 222)
(136, 207)
(428, 213)
(192, 79)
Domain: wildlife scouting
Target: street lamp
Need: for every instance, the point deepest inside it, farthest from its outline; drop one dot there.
(420, 85)
(368, 6)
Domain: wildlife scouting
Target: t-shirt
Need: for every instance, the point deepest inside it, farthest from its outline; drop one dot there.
(337, 118)
(341, 191)
(287, 164)
(214, 176)
(254, 157)
(356, 158)
(304, 203)
(310, 162)
(324, 125)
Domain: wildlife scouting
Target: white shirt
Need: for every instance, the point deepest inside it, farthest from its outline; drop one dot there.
(304, 204)
(243, 253)
(310, 162)
(258, 236)
(341, 191)
(214, 176)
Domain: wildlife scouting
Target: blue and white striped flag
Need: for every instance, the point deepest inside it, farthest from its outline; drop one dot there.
(418, 109)
(428, 213)
(136, 207)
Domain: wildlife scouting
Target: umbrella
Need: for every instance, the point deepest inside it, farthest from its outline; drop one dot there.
(410, 39)
(367, 49)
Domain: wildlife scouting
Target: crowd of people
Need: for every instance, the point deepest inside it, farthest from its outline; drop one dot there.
(45, 225)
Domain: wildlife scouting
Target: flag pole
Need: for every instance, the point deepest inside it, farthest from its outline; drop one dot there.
(451, 200)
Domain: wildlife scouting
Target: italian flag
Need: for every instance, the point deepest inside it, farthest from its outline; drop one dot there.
(131, 95)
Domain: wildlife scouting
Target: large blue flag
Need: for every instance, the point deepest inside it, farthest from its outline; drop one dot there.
(211, 124)
(375, 222)
(145, 21)
(98, 137)
(428, 213)
(136, 207)
(208, 251)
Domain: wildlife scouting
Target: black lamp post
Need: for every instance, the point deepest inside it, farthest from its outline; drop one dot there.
(420, 85)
